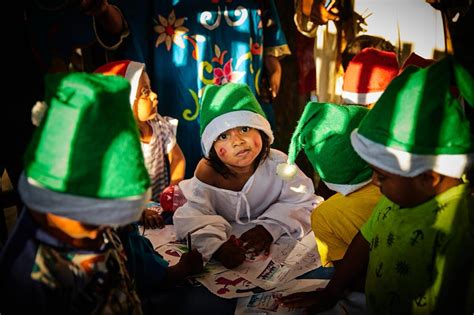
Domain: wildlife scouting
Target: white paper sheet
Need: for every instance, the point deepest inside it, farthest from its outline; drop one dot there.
(159, 237)
(288, 259)
(267, 302)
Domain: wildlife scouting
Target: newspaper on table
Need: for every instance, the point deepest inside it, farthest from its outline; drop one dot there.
(268, 302)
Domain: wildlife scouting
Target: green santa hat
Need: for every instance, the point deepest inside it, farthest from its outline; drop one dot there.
(418, 125)
(229, 106)
(85, 161)
(323, 132)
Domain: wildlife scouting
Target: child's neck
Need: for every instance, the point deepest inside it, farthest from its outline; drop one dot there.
(447, 183)
(444, 184)
(146, 131)
(69, 231)
(238, 179)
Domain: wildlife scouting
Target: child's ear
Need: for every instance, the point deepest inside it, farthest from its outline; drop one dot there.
(431, 179)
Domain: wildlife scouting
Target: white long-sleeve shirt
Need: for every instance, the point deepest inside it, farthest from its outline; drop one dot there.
(266, 199)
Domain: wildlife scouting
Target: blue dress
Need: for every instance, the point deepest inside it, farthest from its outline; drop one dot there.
(187, 44)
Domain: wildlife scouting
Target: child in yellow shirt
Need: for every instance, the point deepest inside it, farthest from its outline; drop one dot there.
(323, 132)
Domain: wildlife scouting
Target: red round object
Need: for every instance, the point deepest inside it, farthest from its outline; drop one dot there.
(166, 199)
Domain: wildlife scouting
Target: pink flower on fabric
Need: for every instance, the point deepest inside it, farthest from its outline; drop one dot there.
(225, 74)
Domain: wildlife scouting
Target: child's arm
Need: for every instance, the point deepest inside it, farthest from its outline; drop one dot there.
(351, 267)
(177, 164)
(272, 64)
(199, 215)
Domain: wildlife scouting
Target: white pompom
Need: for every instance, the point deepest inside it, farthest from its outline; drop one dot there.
(37, 112)
(286, 171)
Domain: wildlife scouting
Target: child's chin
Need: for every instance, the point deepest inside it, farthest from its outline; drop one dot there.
(151, 117)
(246, 162)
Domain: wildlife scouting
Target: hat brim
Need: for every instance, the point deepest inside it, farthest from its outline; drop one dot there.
(347, 189)
(360, 98)
(94, 211)
(133, 74)
(231, 120)
(407, 164)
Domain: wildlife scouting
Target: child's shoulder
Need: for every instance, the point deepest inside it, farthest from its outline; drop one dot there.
(164, 126)
(206, 173)
(277, 156)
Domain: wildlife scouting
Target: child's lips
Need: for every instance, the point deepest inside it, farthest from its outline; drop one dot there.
(152, 116)
(242, 153)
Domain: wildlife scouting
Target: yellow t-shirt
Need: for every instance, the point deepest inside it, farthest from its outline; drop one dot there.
(337, 220)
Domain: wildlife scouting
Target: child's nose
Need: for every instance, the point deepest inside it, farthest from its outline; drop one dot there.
(236, 137)
(153, 97)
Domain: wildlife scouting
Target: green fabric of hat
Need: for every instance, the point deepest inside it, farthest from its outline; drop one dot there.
(87, 145)
(418, 125)
(228, 106)
(323, 132)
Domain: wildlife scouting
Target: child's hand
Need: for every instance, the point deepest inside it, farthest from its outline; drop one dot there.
(257, 240)
(191, 262)
(273, 67)
(230, 254)
(315, 301)
(152, 219)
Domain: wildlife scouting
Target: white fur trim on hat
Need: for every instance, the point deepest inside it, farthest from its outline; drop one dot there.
(133, 73)
(360, 98)
(407, 164)
(37, 112)
(231, 120)
(286, 171)
(95, 211)
(346, 189)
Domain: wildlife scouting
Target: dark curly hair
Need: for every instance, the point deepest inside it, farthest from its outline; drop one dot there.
(222, 169)
(363, 41)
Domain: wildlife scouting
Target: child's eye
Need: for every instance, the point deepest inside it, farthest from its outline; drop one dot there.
(244, 129)
(222, 136)
(145, 92)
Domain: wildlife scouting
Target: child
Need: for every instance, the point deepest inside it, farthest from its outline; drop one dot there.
(365, 79)
(236, 184)
(163, 289)
(417, 248)
(367, 76)
(323, 132)
(83, 174)
(163, 156)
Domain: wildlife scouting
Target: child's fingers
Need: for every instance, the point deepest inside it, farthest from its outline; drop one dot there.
(266, 252)
(159, 221)
(153, 220)
(293, 301)
(292, 297)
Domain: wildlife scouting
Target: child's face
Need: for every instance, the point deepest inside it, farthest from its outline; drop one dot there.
(146, 100)
(238, 147)
(406, 192)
